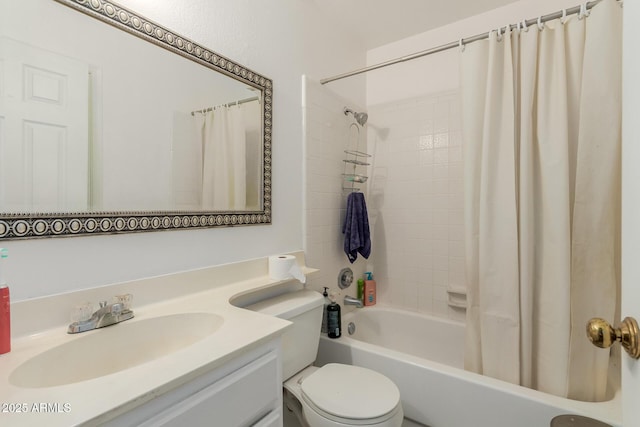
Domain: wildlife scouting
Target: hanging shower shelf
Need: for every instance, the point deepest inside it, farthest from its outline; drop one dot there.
(354, 177)
(356, 162)
(357, 153)
(355, 158)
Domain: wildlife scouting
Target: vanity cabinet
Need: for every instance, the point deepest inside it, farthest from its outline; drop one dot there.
(246, 391)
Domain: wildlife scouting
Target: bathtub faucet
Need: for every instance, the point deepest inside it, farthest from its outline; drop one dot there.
(349, 300)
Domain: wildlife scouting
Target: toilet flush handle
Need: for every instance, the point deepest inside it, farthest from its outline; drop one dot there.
(603, 335)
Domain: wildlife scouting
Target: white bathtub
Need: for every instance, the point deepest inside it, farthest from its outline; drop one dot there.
(423, 355)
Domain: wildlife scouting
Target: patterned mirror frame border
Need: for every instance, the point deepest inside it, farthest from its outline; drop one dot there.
(36, 225)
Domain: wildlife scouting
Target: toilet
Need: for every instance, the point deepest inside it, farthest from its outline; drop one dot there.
(335, 395)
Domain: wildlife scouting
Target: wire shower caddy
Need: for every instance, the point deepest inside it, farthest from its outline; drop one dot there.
(354, 159)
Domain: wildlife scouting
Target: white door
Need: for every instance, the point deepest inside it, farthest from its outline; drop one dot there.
(44, 129)
(631, 204)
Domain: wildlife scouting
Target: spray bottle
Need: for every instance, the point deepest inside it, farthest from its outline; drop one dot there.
(5, 308)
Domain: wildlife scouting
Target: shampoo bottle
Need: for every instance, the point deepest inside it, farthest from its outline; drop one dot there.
(333, 318)
(324, 328)
(361, 290)
(5, 310)
(369, 290)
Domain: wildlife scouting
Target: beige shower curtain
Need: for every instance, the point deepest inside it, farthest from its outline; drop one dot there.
(541, 121)
(224, 182)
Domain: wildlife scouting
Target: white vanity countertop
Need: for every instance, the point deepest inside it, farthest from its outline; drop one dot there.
(105, 397)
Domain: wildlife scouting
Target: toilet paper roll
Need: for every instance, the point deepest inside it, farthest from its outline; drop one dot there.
(283, 267)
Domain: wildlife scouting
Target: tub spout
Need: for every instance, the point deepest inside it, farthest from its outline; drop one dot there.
(349, 300)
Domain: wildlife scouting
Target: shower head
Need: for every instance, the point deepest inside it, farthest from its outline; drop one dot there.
(360, 118)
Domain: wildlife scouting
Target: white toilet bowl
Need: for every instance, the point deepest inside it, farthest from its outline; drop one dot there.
(334, 395)
(337, 395)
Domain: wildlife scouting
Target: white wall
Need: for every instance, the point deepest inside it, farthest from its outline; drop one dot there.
(281, 39)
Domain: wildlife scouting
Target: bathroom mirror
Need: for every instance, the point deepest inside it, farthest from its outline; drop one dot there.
(125, 127)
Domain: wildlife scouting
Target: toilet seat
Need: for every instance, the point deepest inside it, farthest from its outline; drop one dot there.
(350, 395)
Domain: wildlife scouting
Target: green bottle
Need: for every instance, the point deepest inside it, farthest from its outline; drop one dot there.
(361, 290)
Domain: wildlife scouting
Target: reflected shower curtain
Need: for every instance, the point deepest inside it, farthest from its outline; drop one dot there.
(542, 123)
(223, 159)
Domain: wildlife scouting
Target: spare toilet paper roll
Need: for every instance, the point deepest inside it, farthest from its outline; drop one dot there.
(283, 267)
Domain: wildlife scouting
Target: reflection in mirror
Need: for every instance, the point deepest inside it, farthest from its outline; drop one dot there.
(118, 133)
(216, 157)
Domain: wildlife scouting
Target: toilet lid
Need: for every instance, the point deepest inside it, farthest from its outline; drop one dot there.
(350, 392)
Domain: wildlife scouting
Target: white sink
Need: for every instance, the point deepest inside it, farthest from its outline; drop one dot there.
(115, 348)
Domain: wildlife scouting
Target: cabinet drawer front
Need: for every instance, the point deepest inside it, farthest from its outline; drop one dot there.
(238, 399)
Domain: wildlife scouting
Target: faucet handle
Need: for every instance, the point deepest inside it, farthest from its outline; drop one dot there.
(125, 300)
(82, 312)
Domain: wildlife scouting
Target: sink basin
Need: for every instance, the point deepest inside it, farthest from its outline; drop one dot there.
(113, 349)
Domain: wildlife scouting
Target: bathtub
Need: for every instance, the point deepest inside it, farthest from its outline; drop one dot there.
(423, 355)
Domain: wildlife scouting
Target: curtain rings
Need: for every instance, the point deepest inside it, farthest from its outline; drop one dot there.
(540, 24)
(524, 25)
(564, 16)
(501, 33)
(584, 12)
(461, 45)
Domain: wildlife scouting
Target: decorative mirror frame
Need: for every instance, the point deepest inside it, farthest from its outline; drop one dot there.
(36, 225)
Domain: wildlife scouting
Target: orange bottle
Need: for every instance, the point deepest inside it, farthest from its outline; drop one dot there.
(369, 290)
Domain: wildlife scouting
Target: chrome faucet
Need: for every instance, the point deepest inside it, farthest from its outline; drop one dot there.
(349, 300)
(107, 314)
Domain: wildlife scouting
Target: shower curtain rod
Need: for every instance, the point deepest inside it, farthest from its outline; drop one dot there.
(229, 104)
(461, 42)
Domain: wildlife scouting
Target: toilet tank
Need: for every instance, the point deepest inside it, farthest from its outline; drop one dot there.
(300, 341)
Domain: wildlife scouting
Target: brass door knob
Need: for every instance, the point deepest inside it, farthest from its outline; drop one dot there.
(603, 335)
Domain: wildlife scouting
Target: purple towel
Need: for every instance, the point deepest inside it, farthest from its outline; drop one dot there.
(356, 228)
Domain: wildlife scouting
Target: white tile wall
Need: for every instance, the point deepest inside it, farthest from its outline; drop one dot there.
(327, 133)
(416, 195)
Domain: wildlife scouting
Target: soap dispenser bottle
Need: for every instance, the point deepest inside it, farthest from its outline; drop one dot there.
(5, 310)
(333, 318)
(369, 290)
(324, 328)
